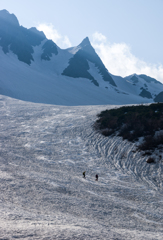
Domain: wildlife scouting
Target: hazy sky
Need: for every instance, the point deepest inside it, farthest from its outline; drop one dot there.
(127, 34)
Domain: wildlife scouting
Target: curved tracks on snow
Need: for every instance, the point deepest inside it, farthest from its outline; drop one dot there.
(125, 157)
(45, 149)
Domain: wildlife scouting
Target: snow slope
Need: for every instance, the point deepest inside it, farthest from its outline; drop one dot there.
(42, 84)
(45, 149)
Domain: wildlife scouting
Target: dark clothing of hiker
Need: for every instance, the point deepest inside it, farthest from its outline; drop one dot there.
(96, 177)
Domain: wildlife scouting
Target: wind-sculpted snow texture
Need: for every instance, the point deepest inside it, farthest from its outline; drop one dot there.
(44, 150)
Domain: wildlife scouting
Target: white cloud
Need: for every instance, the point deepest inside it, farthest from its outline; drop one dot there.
(66, 41)
(52, 33)
(119, 59)
(99, 37)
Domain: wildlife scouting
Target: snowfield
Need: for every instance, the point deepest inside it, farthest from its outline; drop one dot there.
(43, 151)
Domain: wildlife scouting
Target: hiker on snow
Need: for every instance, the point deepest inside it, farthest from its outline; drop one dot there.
(96, 177)
(84, 174)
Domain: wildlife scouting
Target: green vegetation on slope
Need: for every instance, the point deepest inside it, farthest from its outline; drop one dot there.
(133, 122)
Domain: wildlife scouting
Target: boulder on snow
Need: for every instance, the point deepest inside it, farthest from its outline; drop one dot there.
(150, 160)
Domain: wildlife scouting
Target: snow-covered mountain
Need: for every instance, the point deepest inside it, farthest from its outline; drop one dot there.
(35, 69)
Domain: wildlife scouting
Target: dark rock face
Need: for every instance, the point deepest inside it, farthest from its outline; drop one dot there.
(78, 67)
(159, 97)
(17, 38)
(145, 94)
(134, 79)
(48, 49)
(78, 64)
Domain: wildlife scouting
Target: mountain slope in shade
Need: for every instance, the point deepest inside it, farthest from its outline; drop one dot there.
(18, 39)
(79, 64)
(48, 49)
(159, 97)
(141, 85)
(35, 69)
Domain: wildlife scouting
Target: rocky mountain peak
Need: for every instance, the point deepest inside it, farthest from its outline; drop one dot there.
(85, 42)
(8, 18)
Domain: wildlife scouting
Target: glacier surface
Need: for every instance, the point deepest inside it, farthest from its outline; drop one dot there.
(45, 149)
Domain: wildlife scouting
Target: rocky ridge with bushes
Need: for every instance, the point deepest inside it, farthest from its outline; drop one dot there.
(140, 123)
